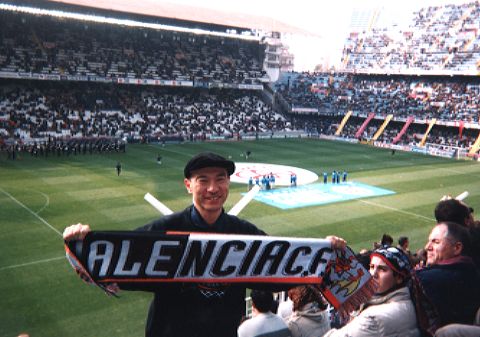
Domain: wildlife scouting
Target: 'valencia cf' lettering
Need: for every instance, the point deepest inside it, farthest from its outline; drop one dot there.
(164, 253)
(186, 259)
(197, 258)
(289, 270)
(319, 260)
(120, 269)
(227, 270)
(96, 255)
(247, 261)
(269, 255)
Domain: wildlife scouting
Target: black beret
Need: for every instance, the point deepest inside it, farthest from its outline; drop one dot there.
(208, 159)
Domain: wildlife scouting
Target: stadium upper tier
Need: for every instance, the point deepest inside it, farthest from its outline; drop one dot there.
(440, 40)
(443, 98)
(49, 46)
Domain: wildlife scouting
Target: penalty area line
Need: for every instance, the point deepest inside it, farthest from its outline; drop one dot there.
(397, 210)
(31, 212)
(32, 263)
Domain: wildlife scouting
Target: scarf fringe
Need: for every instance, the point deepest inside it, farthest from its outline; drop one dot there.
(354, 301)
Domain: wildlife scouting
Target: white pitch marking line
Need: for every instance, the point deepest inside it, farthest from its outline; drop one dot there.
(397, 210)
(237, 208)
(31, 212)
(46, 203)
(31, 263)
(159, 206)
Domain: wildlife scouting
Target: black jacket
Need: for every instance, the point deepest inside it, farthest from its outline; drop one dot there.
(192, 309)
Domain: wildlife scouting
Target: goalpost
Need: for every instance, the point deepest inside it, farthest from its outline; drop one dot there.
(446, 151)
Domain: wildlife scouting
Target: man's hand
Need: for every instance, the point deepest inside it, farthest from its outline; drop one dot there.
(76, 232)
(337, 243)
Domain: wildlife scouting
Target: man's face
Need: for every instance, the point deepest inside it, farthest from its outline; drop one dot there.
(439, 247)
(209, 187)
(383, 275)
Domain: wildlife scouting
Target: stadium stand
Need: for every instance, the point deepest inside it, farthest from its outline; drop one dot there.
(139, 84)
(443, 98)
(30, 111)
(436, 40)
(55, 47)
(451, 101)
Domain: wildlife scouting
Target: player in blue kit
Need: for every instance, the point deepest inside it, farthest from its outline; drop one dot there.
(272, 180)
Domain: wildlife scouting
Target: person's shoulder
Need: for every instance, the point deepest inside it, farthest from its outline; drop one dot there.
(427, 271)
(241, 226)
(402, 299)
(246, 326)
(383, 312)
(292, 319)
(257, 326)
(166, 222)
(275, 317)
(439, 275)
(271, 319)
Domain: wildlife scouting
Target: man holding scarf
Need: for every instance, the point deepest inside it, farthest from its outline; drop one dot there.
(196, 309)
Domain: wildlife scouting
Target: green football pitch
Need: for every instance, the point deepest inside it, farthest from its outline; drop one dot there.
(40, 293)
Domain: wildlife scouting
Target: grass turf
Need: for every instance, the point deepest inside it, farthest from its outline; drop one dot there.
(40, 294)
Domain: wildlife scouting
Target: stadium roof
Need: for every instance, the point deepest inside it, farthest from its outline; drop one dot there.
(160, 8)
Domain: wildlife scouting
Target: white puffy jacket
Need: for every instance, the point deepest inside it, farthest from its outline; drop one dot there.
(391, 315)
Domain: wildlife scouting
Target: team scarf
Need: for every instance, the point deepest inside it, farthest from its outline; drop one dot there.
(135, 257)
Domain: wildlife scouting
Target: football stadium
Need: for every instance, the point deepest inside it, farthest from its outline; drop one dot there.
(101, 105)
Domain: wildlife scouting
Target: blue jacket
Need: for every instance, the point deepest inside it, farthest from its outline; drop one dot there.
(453, 287)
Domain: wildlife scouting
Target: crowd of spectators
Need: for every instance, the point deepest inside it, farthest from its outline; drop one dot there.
(444, 98)
(436, 39)
(34, 111)
(54, 46)
(62, 110)
(440, 135)
(330, 96)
